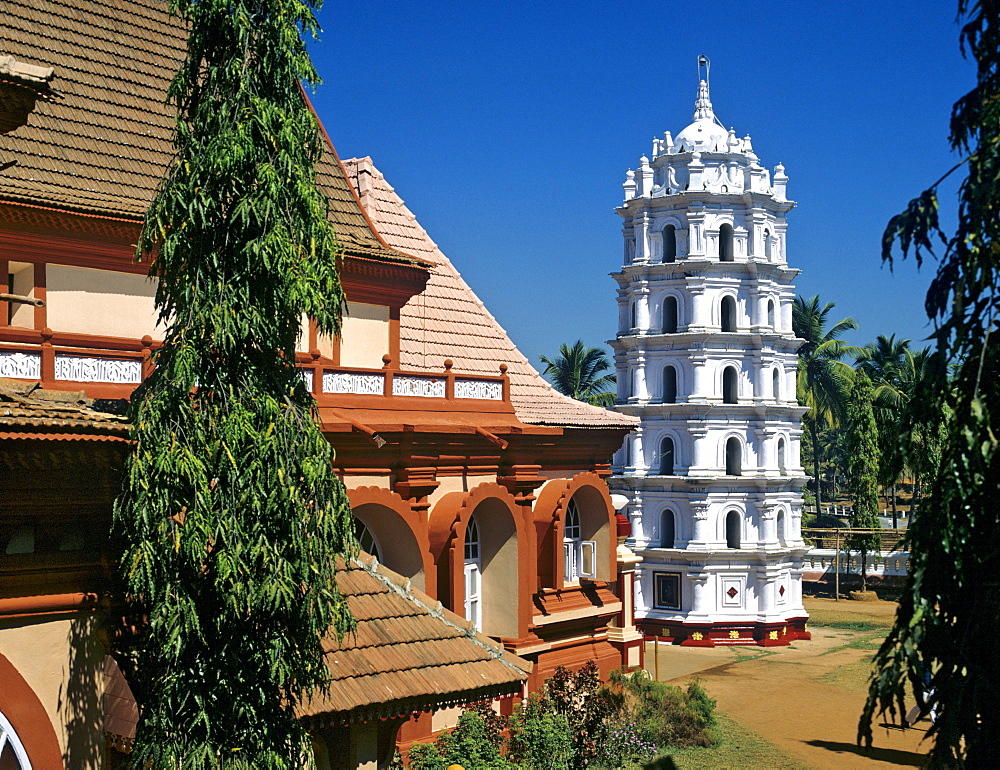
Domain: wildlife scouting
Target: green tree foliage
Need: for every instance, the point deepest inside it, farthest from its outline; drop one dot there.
(231, 517)
(663, 714)
(472, 744)
(862, 470)
(578, 373)
(540, 738)
(586, 705)
(823, 379)
(946, 625)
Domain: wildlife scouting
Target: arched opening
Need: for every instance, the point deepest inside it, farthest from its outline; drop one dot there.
(726, 243)
(668, 529)
(781, 454)
(473, 576)
(770, 313)
(12, 753)
(776, 384)
(730, 385)
(734, 456)
(489, 565)
(767, 244)
(669, 244)
(586, 537)
(385, 534)
(669, 385)
(634, 316)
(670, 315)
(728, 314)
(782, 534)
(667, 457)
(733, 529)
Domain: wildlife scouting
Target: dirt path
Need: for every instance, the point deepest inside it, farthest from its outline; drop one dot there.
(805, 699)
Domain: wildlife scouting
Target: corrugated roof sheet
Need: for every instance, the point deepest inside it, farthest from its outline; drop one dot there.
(104, 145)
(407, 653)
(448, 320)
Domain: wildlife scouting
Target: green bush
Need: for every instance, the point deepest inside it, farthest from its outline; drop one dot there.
(666, 715)
(540, 738)
(470, 745)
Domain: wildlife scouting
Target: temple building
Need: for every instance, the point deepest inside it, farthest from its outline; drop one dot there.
(705, 356)
(480, 492)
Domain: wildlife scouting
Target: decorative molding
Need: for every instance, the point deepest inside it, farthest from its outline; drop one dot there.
(489, 390)
(21, 366)
(351, 382)
(86, 369)
(424, 387)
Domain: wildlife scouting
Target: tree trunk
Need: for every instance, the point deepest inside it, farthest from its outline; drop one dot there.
(895, 519)
(864, 570)
(815, 448)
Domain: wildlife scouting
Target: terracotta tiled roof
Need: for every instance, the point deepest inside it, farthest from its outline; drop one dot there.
(28, 411)
(447, 320)
(104, 145)
(407, 654)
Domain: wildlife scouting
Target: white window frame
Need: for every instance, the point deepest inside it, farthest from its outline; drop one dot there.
(579, 555)
(9, 736)
(473, 577)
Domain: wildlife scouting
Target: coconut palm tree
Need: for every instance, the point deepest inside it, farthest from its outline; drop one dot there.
(823, 380)
(577, 372)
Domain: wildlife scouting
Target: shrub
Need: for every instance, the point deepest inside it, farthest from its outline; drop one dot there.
(470, 745)
(622, 744)
(666, 715)
(540, 738)
(587, 706)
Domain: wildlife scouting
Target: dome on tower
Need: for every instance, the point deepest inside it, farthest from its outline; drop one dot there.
(706, 134)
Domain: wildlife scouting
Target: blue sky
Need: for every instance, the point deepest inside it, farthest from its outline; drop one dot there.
(507, 127)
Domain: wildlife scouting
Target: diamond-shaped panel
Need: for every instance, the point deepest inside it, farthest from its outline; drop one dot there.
(731, 593)
(781, 591)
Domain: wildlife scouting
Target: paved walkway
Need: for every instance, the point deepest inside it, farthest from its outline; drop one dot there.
(805, 699)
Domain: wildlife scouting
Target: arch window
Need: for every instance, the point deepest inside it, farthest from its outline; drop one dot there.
(473, 576)
(728, 314)
(726, 243)
(669, 385)
(12, 752)
(365, 539)
(579, 555)
(667, 457)
(730, 385)
(669, 244)
(734, 457)
(782, 534)
(634, 317)
(733, 527)
(670, 315)
(781, 454)
(770, 314)
(767, 244)
(668, 529)
(776, 384)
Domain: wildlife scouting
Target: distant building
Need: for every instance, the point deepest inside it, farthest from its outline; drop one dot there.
(705, 356)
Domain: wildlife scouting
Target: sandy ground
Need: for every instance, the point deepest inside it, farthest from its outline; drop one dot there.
(805, 699)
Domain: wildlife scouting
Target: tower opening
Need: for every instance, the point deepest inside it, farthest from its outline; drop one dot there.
(668, 530)
(670, 315)
(669, 244)
(734, 457)
(767, 245)
(733, 534)
(730, 380)
(781, 455)
(728, 314)
(667, 457)
(770, 313)
(669, 385)
(726, 243)
(776, 384)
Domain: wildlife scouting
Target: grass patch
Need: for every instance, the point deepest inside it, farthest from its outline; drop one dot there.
(852, 677)
(737, 746)
(860, 626)
(864, 643)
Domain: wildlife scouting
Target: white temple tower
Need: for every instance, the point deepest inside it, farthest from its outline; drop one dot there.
(705, 356)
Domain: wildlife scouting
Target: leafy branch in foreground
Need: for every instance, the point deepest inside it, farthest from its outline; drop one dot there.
(945, 628)
(231, 517)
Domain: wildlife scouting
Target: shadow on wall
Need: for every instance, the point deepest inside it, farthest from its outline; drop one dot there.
(80, 706)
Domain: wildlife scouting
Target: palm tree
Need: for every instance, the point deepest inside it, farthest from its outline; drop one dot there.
(577, 372)
(823, 380)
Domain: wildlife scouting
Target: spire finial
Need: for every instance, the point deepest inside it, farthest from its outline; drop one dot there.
(703, 105)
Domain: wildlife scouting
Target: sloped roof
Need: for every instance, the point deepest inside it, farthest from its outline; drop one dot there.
(407, 654)
(29, 411)
(448, 320)
(104, 145)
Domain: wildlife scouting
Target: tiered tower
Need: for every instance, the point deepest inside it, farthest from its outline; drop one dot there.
(705, 356)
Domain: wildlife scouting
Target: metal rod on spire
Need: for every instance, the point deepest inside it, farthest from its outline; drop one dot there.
(704, 61)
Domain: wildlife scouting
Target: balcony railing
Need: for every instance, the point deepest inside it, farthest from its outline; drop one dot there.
(112, 367)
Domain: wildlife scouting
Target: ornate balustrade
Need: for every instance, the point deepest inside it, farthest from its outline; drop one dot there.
(110, 367)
